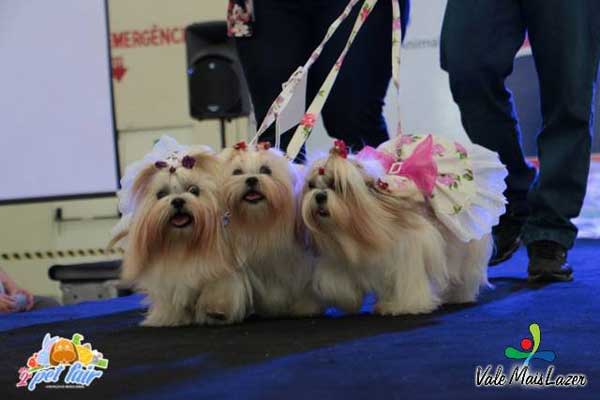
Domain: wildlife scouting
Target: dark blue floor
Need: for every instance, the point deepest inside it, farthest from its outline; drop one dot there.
(358, 357)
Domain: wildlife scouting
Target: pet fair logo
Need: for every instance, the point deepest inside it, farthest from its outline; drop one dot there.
(523, 374)
(69, 361)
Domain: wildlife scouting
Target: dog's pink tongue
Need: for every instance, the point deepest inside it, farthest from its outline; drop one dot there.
(253, 196)
(180, 220)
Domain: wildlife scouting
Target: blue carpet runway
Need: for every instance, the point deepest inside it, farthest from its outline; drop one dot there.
(350, 357)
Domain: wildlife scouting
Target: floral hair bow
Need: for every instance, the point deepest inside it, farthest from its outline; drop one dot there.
(242, 146)
(339, 148)
(173, 162)
(263, 146)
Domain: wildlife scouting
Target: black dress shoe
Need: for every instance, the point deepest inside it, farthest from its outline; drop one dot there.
(548, 262)
(507, 237)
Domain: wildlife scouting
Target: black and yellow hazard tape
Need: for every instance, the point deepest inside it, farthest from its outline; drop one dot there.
(53, 254)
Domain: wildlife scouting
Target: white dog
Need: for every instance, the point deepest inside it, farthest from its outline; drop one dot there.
(264, 225)
(369, 239)
(176, 251)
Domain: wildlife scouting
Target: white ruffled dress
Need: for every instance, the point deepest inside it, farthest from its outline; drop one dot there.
(468, 196)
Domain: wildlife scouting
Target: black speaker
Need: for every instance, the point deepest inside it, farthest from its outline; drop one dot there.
(217, 86)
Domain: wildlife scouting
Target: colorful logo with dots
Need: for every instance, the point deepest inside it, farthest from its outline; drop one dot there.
(63, 362)
(530, 348)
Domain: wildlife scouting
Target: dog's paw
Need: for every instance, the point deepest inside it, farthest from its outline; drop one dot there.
(215, 318)
(218, 320)
(217, 313)
(154, 321)
(460, 298)
(306, 308)
(394, 309)
(219, 316)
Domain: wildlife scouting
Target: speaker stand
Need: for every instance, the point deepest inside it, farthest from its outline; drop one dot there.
(223, 133)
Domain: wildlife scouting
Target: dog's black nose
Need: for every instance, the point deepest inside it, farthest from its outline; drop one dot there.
(178, 203)
(321, 197)
(252, 181)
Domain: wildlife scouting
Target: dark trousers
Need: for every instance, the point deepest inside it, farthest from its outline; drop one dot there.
(479, 41)
(285, 34)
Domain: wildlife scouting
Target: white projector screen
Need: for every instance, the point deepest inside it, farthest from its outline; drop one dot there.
(56, 114)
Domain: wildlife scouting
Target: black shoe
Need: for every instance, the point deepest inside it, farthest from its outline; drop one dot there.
(548, 262)
(507, 237)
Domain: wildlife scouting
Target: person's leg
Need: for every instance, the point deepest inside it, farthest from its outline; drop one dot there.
(353, 111)
(280, 43)
(565, 41)
(478, 45)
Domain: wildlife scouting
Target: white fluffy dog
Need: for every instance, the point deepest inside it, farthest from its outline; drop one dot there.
(369, 239)
(259, 191)
(176, 251)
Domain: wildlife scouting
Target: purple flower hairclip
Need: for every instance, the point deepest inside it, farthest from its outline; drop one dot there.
(188, 162)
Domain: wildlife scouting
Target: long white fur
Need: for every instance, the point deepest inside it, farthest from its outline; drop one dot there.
(390, 244)
(183, 270)
(266, 235)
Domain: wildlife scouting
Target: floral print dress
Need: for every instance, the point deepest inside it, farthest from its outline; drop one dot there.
(240, 18)
(468, 182)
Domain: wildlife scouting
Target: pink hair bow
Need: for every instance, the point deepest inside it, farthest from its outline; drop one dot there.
(420, 167)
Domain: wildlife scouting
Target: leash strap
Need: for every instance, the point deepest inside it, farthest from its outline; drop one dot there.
(309, 120)
(307, 124)
(291, 84)
(396, 45)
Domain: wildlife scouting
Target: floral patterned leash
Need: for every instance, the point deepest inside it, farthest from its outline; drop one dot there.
(396, 45)
(290, 86)
(306, 126)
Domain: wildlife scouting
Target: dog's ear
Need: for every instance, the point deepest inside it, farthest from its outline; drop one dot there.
(117, 238)
(405, 189)
(227, 154)
(398, 190)
(298, 173)
(143, 180)
(400, 198)
(300, 232)
(202, 160)
(144, 237)
(349, 178)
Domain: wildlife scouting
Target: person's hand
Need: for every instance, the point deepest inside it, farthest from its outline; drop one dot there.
(7, 304)
(10, 286)
(29, 296)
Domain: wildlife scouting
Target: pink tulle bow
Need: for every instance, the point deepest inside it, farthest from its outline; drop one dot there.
(369, 153)
(420, 167)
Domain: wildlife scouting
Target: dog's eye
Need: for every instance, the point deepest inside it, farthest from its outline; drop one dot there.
(265, 170)
(311, 185)
(161, 194)
(195, 190)
(331, 184)
(237, 171)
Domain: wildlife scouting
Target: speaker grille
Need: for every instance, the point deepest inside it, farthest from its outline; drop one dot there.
(216, 86)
